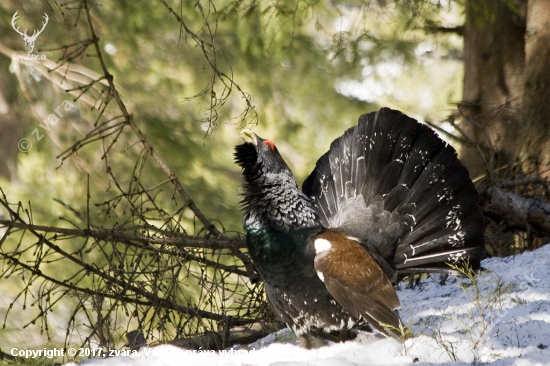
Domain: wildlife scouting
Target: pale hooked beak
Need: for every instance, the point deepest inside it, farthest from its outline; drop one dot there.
(249, 137)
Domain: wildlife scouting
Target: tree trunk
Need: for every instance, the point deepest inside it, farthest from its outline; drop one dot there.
(534, 140)
(506, 111)
(494, 61)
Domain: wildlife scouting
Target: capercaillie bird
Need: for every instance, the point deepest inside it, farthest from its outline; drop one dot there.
(388, 198)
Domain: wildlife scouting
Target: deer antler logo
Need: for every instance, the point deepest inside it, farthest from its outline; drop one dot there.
(29, 40)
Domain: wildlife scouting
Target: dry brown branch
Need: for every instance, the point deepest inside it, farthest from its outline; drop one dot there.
(522, 181)
(244, 334)
(179, 241)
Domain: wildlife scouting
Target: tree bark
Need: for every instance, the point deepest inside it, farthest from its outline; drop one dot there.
(519, 211)
(494, 61)
(534, 140)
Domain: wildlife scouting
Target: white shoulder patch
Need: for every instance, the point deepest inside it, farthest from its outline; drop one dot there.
(321, 245)
(320, 274)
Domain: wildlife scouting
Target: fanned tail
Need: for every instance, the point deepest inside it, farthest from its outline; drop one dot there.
(395, 185)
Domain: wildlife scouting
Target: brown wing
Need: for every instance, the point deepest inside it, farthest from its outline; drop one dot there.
(356, 281)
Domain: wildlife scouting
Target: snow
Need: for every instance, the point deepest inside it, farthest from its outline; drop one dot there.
(445, 320)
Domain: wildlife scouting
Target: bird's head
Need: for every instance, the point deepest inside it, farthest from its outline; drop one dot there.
(261, 160)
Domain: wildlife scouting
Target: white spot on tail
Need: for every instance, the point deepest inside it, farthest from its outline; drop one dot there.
(453, 218)
(457, 256)
(321, 245)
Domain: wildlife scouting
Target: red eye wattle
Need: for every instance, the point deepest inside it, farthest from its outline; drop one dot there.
(269, 144)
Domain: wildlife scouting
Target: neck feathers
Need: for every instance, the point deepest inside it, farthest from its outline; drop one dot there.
(277, 204)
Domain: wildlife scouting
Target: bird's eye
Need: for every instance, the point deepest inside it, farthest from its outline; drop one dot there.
(269, 144)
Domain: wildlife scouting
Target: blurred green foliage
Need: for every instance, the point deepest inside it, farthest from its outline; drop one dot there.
(292, 58)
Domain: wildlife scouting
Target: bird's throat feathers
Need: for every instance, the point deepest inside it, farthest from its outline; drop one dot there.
(277, 205)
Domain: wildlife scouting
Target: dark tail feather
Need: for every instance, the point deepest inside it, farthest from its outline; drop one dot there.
(394, 184)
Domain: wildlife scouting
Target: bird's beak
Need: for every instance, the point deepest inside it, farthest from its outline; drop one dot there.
(249, 137)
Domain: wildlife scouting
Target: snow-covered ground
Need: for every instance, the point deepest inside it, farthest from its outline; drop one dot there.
(446, 321)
